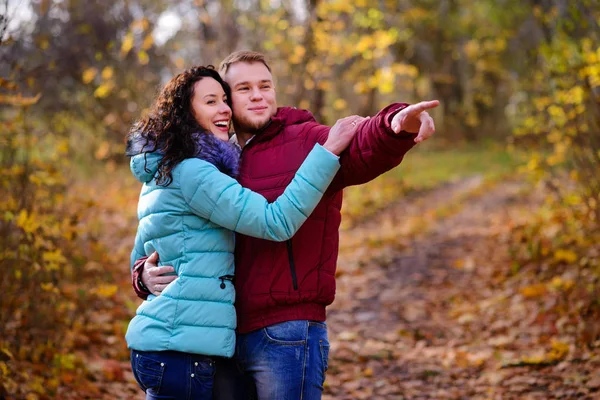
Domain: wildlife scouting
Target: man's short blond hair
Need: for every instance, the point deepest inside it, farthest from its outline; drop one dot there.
(242, 56)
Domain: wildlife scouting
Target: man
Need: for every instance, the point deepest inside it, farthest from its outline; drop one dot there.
(282, 289)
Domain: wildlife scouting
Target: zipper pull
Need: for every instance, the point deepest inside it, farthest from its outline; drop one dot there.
(225, 278)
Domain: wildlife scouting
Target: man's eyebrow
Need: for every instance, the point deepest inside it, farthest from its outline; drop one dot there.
(248, 83)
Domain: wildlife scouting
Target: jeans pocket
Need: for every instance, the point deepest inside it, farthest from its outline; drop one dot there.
(203, 379)
(291, 333)
(204, 368)
(148, 372)
(324, 355)
(324, 347)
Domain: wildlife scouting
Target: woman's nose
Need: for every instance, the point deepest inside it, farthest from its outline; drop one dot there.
(224, 109)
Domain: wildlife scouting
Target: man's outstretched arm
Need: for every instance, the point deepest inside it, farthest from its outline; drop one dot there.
(381, 142)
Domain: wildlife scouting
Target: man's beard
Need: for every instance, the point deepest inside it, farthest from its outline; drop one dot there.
(248, 126)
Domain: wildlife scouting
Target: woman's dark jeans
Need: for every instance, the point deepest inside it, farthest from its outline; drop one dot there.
(172, 375)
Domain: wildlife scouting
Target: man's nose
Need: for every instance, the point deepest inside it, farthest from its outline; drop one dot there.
(255, 94)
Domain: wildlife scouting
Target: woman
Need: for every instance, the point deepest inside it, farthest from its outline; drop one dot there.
(189, 207)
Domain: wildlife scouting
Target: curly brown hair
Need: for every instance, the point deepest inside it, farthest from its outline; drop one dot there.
(170, 126)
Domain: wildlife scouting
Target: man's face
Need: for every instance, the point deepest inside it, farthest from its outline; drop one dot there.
(252, 95)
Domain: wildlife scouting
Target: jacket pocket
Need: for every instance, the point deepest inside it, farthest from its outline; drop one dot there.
(292, 264)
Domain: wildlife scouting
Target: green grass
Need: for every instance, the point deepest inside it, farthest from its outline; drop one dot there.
(424, 168)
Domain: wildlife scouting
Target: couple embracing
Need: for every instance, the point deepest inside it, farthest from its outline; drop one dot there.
(268, 196)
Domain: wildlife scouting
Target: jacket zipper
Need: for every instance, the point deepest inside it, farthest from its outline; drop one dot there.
(292, 265)
(225, 278)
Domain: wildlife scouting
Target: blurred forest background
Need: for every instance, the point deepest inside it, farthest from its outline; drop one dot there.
(519, 85)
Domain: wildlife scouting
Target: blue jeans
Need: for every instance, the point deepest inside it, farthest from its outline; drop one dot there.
(173, 375)
(285, 361)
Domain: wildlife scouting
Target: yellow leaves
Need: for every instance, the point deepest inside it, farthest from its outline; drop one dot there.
(49, 287)
(384, 39)
(268, 45)
(542, 102)
(471, 49)
(591, 57)
(297, 55)
(555, 159)
(53, 259)
(89, 74)
(19, 100)
(107, 73)
(148, 42)
(567, 256)
(375, 14)
(3, 369)
(374, 45)
(361, 87)
(340, 104)
(555, 136)
(534, 359)
(104, 90)
(143, 57)
(385, 80)
(26, 221)
(534, 291)
(324, 85)
(282, 25)
(365, 43)
(558, 351)
(559, 283)
(141, 24)
(324, 9)
(309, 84)
(62, 147)
(127, 44)
(106, 291)
(297, 32)
(65, 361)
(576, 95)
(6, 352)
(558, 115)
(407, 70)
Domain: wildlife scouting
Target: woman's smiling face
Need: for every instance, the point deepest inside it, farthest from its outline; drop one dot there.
(209, 106)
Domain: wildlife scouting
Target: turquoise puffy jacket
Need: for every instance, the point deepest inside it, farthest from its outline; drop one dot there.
(190, 223)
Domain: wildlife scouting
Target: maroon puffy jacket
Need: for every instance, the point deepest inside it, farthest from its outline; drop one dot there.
(295, 280)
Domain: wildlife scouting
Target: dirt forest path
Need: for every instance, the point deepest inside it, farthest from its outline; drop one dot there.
(426, 308)
(421, 311)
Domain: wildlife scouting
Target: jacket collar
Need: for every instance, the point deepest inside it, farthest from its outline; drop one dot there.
(284, 117)
(223, 155)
